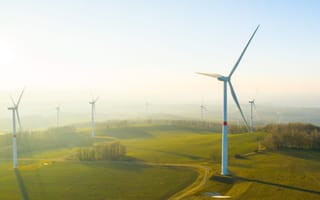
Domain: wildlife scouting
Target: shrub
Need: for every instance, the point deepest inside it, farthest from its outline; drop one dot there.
(106, 151)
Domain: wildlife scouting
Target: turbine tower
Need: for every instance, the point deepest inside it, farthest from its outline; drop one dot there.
(252, 104)
(15, 111)
(227, 80)
(58, 116)
(93, 112)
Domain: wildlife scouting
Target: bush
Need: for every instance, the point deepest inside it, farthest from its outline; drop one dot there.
(292, 135)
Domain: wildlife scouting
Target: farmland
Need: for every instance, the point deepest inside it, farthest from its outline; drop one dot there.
(161, 160)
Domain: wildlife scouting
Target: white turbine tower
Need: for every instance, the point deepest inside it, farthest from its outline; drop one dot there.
(15, 111)
(227, 80)
(58, 116)
(93, 112)
(252, 104)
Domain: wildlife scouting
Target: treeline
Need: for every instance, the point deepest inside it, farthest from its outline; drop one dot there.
(106, 151)
(292, 135)
(64, 137)
(212, 126)
(198, 124)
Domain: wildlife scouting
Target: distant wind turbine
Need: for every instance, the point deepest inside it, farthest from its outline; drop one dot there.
(252, 104)
(227, 80)
(58, 115)
(15, 111)
(93, 112)
(202, 109)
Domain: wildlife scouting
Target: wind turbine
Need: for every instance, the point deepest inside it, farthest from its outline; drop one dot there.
(15, 111)
(202, 109)
(252, 104)
(58, 116)
(227, 80)
(93, 112)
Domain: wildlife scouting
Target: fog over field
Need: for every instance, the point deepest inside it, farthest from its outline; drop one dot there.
(74, 111)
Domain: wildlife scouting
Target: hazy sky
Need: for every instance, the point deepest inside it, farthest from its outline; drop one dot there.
(133, 51)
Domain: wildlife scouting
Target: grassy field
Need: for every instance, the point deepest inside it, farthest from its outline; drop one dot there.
(273, 175)
(174, 144)
(290, 174)
(269, 175)
(283, 175)
(92, 180)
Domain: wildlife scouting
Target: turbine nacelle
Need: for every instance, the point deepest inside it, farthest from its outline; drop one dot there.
(224, 78)
(93, 101)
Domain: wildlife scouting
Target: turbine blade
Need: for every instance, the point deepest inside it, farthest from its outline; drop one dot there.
(233, 93)
(96, 100)
(211, 75)
(14, 104)
(19, 121)
(20, 97)
(241, 55)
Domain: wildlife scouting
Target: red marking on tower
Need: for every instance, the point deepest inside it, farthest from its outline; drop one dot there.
(14, 136)
(225, 123)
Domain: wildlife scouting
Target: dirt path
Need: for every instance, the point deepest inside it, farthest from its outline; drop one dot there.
(204, 175)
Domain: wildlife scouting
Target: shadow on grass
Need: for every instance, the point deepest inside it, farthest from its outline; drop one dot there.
(22, 187)
(192, 157)
(223, 179)
(277, 185)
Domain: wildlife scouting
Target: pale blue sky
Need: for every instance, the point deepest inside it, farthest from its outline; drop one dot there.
(137, 50)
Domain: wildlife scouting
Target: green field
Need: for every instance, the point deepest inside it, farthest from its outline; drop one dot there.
(179, 144)
(273, 175)
(93, 180)
(52, 173)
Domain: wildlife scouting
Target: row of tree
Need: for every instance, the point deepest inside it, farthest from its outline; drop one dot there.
(197, 124)
(105, 151)
(292, 135)
(54, 138)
